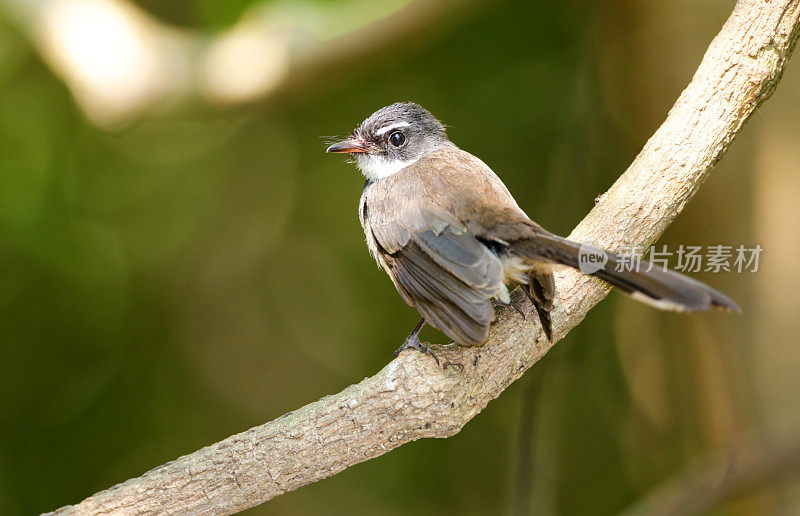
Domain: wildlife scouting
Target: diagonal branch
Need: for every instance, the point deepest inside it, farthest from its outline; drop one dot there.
(411, 398)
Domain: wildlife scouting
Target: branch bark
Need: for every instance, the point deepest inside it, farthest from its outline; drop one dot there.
(411, 398)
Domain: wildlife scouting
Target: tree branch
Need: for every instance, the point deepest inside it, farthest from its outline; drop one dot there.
(411, 398)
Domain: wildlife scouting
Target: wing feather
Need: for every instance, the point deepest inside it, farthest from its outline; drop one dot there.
(463, 312)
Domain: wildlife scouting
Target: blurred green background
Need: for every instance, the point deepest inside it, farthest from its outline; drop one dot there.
(173, 275)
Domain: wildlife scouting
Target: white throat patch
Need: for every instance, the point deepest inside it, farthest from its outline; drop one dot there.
(376, 167)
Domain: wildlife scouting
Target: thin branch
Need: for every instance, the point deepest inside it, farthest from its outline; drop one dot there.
(411, 398)
(722, 477)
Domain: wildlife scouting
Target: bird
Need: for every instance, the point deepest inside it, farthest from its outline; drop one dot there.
(453, 239)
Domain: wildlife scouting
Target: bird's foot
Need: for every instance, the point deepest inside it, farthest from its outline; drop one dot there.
(412, 342)
(497, 303)
(448, 363)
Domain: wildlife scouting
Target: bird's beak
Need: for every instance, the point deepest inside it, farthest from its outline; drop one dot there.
(351, 145)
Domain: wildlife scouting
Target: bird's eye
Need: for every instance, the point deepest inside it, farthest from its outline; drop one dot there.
(397, 138)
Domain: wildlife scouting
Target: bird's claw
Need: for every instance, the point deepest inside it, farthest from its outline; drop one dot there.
(497, 303)
(412, 342)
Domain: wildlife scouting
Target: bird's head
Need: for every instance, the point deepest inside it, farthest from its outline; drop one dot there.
(392, 138)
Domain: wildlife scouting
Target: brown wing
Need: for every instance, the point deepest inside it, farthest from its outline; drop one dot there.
(450, 280)
(427, 225)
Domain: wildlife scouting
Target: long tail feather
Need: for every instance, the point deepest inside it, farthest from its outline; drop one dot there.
(664, 289)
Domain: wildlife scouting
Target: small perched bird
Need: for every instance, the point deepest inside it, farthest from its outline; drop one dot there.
(451, 237)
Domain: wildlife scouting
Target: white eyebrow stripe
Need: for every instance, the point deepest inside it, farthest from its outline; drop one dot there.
(388, 128)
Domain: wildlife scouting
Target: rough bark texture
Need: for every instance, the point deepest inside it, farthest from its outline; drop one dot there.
(411, 398)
